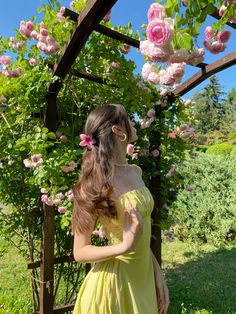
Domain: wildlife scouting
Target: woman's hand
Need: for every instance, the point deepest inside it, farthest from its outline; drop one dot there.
(162, 293)
(133, 227)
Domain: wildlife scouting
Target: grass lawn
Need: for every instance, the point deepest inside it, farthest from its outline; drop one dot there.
(201, 279)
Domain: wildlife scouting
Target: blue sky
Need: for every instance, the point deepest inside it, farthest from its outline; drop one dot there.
(13, 11)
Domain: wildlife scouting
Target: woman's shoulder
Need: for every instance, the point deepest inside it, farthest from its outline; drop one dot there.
(139, 169)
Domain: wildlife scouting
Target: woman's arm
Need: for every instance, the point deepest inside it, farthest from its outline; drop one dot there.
(84, 252)
(161, 287)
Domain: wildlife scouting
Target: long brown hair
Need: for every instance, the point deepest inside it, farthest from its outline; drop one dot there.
(94, 188)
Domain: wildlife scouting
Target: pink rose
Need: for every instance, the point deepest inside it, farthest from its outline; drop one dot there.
(135, 156)
(166, 79)
(62, 10)
(44, 199)
(60, 17)
(44, 32)
(44, 191)
(62, 209)
(151, 113)
(209, 32)
(33, 62)
(196, 56)
(223, 35)
(176, 70)
(164, 92)
(5, 60)
(156, 11)
(222, 10)
(147, 69)
(63, 138)
(180, 55)
(170, 173)
(217, 47)
(115, 65)
(159, 32)
(34, 35)
(155, 153)
(130, 149)
(30, 26)
(187, 102)
(153, 78)
(125, 49)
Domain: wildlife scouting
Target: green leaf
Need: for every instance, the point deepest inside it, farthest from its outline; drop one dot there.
(194, 8)
(184, 41)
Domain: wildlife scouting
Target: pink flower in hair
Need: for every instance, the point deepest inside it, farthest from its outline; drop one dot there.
(87, 140)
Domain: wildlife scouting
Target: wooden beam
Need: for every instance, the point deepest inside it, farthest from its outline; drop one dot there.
(58, 260)
(86, 23)
(47, 263)
(89, 77)
(210, 69)
(106, 31)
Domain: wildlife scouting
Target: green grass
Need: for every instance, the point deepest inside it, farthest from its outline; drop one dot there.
(15, 292)
(201, 279)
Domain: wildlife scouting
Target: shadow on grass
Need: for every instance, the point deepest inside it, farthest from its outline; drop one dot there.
(208, 282)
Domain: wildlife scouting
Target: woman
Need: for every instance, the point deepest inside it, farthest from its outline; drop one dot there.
(126, 277)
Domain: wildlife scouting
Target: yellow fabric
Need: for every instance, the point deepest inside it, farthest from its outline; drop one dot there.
(123, 284)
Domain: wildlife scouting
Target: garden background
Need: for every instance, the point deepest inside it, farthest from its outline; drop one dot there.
(198, 196)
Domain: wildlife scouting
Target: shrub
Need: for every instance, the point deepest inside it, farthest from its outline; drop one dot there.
(205, 208)
(220, 149)
(232, 137)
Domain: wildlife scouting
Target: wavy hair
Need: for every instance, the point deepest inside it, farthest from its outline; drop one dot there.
(93, 192)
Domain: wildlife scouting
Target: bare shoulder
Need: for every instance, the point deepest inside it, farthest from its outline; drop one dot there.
(139, 169)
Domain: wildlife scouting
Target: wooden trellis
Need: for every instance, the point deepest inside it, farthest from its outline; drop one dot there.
(87, 22)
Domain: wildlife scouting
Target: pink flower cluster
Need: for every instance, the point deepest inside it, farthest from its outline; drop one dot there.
(215, 43)
(57, 199)
(115, 65)
(130, 149)
(15, 44)
(34, 162)
(70, 195)
(183, 132)
(158, 48)
(46, 43)
(5, 62)
(70, 167)
(125, 49)
(60, 14)
(146, 123)
(222, 9)
(33, 62)
(100, 233)
(61, 136)
(170, 173)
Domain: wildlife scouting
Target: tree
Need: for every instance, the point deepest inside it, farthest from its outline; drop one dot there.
(228, 124)
(208, 108)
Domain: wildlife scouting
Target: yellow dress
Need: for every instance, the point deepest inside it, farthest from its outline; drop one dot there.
(123, 284)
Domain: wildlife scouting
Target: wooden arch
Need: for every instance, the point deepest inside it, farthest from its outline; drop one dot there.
(87, 22)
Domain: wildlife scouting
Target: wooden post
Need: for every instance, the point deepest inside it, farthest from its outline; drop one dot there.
(47, 262)
(155, 188)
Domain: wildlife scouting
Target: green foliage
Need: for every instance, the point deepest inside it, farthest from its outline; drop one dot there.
(204, 209)
(220, 149)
